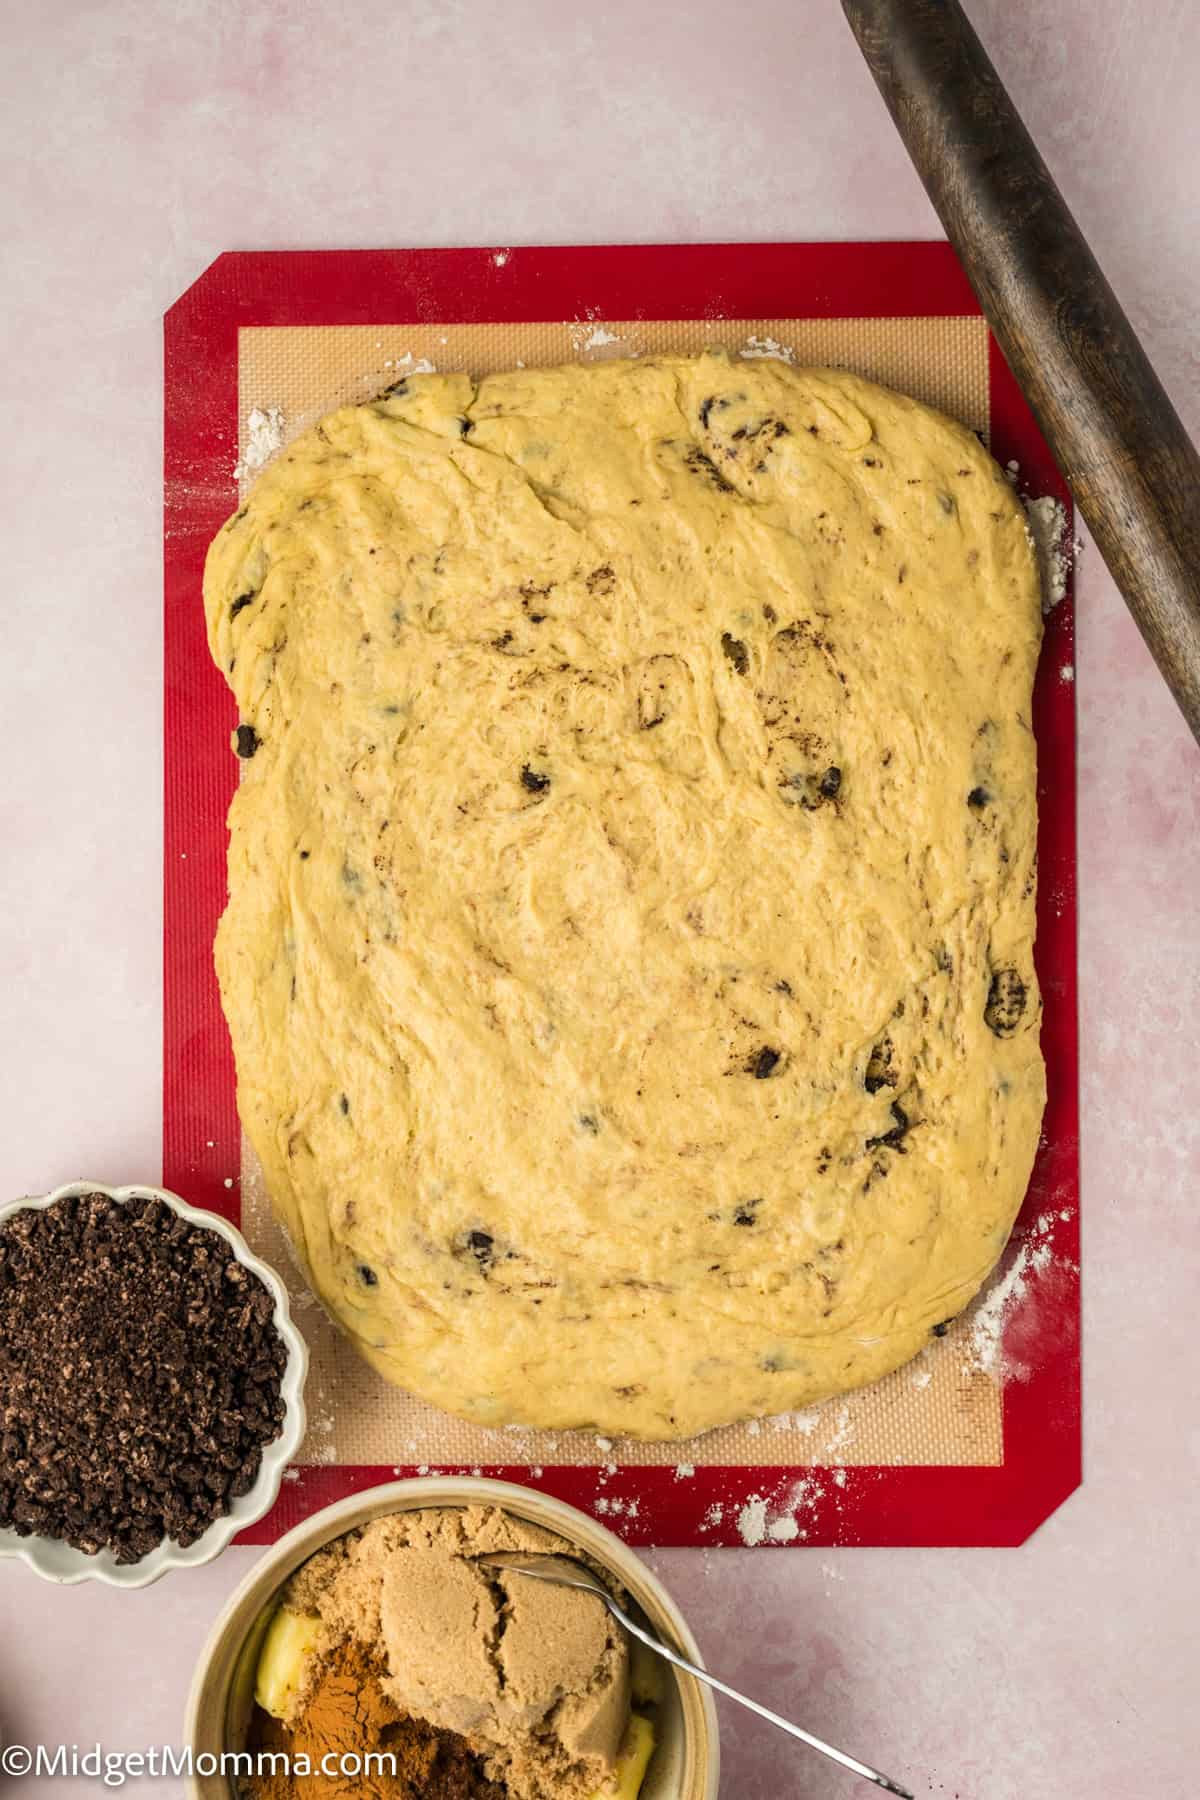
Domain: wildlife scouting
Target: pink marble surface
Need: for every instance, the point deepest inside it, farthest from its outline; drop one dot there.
(139, 141)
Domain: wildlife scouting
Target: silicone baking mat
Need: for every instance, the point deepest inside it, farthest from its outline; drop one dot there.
(979, 1439)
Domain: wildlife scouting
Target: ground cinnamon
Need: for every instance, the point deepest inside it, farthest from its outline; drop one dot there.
(348, 1713)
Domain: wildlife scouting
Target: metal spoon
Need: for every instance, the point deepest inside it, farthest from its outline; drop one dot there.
(564, 1572)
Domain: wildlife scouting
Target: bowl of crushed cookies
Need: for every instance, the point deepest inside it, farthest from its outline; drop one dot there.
(151, 1384)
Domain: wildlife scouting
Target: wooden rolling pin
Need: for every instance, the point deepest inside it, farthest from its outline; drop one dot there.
(1120, 443)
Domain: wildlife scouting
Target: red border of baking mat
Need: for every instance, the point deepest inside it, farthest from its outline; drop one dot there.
(201, 1141)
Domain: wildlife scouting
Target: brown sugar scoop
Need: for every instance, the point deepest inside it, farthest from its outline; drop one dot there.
(564, 1571)
(1131, 466)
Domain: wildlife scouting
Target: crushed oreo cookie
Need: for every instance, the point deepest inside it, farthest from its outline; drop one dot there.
(1006, 999)
(140, 1375)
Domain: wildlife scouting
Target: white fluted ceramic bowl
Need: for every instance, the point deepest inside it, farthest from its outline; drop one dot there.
(62, 1563)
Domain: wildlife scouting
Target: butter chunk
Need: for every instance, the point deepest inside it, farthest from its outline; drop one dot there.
(283, 1661)
(632, 1762)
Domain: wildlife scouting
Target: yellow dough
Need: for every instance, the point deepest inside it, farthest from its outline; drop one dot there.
(629, 946)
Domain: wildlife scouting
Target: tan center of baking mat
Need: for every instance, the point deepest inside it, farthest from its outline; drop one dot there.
(942, 1409)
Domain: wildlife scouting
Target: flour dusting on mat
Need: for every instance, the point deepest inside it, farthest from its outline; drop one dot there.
(590, 333)
(985, 1340)
(264, 436)
(775, 1518)
(752, 1520)
(766, 347)
(843, 1431)
(410, 365)
(1047, 527)
(804, 1422)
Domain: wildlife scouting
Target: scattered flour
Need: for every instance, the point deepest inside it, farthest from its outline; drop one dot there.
(618, 1507)
(985, 1336)
(768, 347)
(603, 1443)
(1047, 519)
(804, 1496)
(840, 1478)
(922, 1378)
(774, 1519)
(590, 333)
(803, 1422)
(713, 1516)
(684, 1470)
(264, 436)
(752, 1520)
(537, 1471)
(500, 257)
(410, 365)
(1067, 672)
(843, 1431)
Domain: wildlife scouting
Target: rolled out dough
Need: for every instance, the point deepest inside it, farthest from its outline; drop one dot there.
(629, 949)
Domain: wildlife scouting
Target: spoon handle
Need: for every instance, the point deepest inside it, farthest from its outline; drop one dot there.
(764, 1712)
